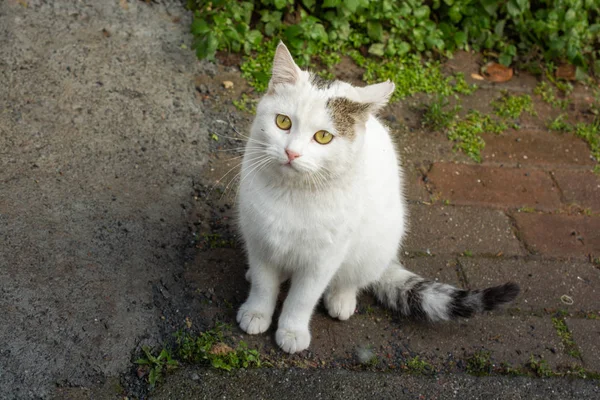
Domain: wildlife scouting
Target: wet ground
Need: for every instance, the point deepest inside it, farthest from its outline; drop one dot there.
(117, 170)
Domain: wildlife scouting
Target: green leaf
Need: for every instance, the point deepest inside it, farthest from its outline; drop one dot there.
(351, 5)
(279, 4)
(513, 8)
(331, 3)
(499, 28)
(377, 49)
(490, 6)
(422, 12)
(309, 4)
(403, 48)
(142, 361)
(460, 39)
(199, 26)
(375, 30)
(505, 59)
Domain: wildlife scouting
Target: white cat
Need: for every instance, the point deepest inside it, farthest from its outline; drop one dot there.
(320, 202)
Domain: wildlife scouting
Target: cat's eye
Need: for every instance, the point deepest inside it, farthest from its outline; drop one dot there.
(323, 137)
(283, 122)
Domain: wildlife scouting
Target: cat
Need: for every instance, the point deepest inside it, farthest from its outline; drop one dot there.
(320, 202)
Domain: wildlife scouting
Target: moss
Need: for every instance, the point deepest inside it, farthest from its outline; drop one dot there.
(418, 366)
(566, 337)
(480, 364)
(513, 106)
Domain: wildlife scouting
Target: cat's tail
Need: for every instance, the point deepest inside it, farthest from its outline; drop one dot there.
(412, 295)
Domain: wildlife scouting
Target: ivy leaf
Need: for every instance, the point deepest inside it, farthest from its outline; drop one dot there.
(330, 3)
(377, 49)
(352, 5)
(403, 48)
(490, 6)
(199, 26)
(505, 59)
(279, 4)
(460, 39)
(375, 30)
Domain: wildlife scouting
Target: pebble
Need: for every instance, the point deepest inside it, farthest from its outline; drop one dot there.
(228, 84)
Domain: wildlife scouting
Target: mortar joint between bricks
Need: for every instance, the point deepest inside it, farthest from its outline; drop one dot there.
(561, 195)
(462, 275)
(516, 231)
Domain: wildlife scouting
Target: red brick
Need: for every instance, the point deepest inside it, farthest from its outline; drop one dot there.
(586, 334)
(535, 148)
(580, 187)
(560, 235)
(494, 187)
(453, 230)
(543, 282)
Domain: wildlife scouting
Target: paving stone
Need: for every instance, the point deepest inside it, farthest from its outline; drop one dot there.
(494, 187)
(540, 148)
(414, 188)
(509, 339)
(450, 229)
(560, 235)
(586, 334)
(580, 187)
(438, 268)
(542, 282)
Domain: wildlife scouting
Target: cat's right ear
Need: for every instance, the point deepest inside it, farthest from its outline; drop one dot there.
(285, 69)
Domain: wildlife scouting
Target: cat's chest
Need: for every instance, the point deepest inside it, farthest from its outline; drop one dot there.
(300, 221)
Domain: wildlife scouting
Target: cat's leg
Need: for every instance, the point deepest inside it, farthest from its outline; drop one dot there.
(340, 301)
(254, 316)
(293, 333)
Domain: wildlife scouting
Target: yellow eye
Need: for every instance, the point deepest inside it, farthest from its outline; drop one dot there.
(323, 137)
(283, 122)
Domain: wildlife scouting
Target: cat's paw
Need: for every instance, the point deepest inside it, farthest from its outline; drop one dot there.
(292, 341)
(340, 305)
(253, 321)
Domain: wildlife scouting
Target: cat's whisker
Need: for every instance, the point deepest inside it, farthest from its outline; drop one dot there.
(257, 160)
(228, 172)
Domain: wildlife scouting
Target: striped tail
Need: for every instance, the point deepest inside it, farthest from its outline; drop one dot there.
(412, 295)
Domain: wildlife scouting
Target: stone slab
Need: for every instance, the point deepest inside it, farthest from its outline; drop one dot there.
(580, 187)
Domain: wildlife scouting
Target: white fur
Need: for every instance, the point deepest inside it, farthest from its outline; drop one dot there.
(331, 221)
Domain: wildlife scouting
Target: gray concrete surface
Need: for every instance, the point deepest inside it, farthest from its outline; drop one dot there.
(347, 385)
(101, 136)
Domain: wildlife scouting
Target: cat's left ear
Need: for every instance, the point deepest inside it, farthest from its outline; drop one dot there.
(377, 95)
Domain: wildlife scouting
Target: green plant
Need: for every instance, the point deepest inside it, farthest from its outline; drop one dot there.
(591, 134)
(540, 367)
(467, 133)
(158, 365)
(416, 365)
(480, 364)
(246, 103)
(546, 92)
(209, 348)
(553, 29)
(566, 336)
(436, 118)
(513, 106)
(559, 124)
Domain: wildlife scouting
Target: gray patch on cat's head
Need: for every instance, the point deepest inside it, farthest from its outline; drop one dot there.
(320, 83)
(345, 114)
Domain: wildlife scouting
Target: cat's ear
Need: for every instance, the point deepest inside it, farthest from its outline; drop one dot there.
(285, 69)
(376, 95)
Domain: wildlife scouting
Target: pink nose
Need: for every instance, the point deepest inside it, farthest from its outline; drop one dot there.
(292, 155)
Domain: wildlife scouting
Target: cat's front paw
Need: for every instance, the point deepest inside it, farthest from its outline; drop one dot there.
(253, 321)
(340, 305)
(292, 341)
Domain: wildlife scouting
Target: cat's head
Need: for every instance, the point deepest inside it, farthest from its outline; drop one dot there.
(311, 128)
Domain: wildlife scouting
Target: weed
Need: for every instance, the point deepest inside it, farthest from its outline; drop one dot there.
(480, 364)
(540, 367)
(246, 104)
(157, 366)
(559, 124)
(467, 133)
(513, 106)
(216, 241)
(591, 134)
(566, 336)
(526, 210)
(209, 348)
(418, 366)
(546, 91)
(411, 76)
(436, 118)
(467, 253)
